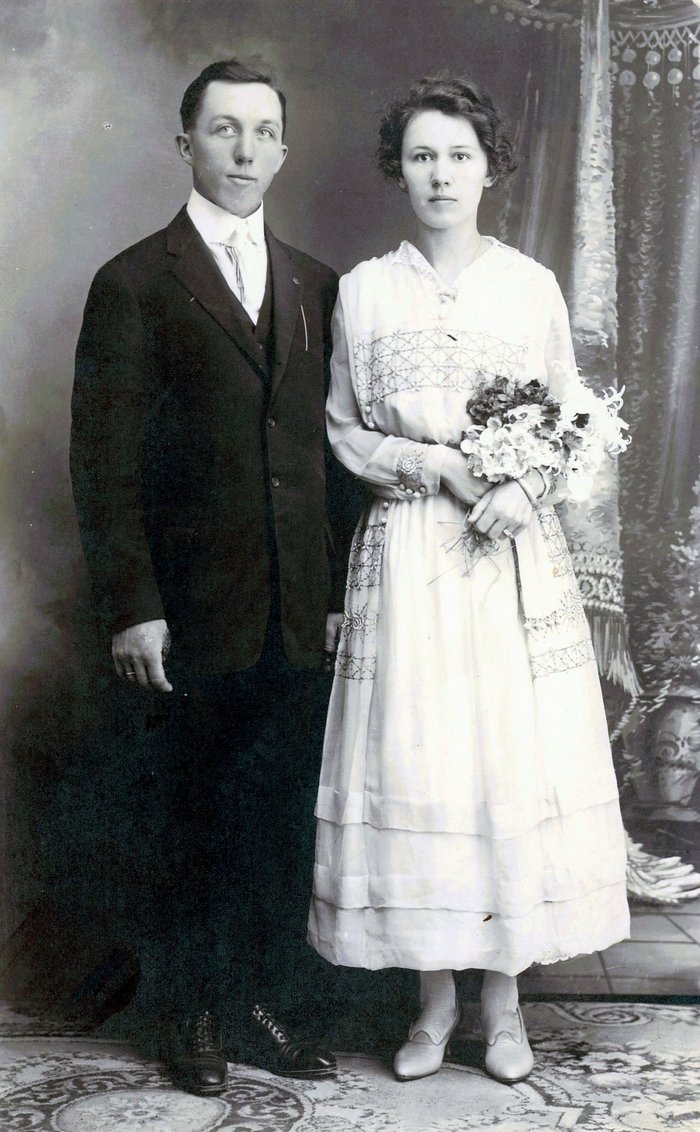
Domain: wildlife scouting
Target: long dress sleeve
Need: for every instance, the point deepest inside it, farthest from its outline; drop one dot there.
(560, 361)
(392, 466)
(604, 428)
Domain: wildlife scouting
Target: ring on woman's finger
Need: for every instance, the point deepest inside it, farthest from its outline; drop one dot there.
(129, 673)
(507, 532)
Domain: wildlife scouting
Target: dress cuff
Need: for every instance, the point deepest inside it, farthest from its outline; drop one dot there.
(418, 469)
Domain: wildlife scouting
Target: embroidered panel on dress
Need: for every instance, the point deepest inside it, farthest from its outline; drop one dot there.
(357, 648)
(563, 660)
(568, 615)
(409, 466)
(408, 360)
(355, 667)
(557, 549)
(366, 557)
(357, 621)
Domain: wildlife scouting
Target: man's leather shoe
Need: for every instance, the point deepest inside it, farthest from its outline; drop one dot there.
(198, 1062)
(281, 1052)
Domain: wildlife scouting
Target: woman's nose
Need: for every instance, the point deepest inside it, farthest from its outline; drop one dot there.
(441, 174)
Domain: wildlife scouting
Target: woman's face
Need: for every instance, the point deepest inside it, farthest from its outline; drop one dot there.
(444, 169)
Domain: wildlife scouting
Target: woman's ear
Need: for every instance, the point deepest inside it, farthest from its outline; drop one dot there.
(489, 181)
(401, 183)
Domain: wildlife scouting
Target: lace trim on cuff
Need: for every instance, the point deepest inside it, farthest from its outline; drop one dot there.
(409, 469)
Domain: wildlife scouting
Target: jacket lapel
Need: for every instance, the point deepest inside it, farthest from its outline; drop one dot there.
(196, 269)
(287, 298)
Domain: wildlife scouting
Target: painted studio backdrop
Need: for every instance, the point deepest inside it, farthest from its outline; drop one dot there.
(604, 99)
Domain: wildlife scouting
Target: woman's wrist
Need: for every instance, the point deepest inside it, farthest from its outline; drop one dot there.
(456, 476)
(534, 485)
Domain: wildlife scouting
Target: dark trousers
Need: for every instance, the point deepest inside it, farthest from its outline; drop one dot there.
(224, 849)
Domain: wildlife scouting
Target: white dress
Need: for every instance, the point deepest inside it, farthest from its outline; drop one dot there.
(468, 810)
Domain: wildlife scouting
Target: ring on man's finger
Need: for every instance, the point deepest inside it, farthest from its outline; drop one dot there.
(129, 673)
(507, 532)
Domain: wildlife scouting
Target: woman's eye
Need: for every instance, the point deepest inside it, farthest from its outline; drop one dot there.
(462, 156)
(423, 157)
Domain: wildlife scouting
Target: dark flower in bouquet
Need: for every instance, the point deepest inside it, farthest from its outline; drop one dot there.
(520, 426)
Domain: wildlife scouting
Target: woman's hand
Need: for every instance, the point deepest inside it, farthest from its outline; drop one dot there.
(503, 510)
(456, 477)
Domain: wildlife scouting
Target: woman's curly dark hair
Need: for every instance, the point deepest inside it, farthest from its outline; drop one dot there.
(459, 98)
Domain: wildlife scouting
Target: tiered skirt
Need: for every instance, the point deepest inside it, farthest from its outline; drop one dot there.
(467, 811)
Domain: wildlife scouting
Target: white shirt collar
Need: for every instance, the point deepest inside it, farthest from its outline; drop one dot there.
(215, 224)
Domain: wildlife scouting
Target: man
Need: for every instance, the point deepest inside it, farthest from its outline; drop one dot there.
(199, 468)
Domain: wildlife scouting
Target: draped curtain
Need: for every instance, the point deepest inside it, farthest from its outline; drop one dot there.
(609, 197)
(656, 121)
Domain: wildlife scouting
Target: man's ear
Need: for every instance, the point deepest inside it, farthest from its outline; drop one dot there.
(184, 147)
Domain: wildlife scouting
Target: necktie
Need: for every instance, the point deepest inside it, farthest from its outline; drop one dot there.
(233, 250)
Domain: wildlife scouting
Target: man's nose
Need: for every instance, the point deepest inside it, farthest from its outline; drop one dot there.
(243, 150)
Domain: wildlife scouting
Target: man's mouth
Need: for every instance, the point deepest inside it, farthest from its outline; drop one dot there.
(239, 177)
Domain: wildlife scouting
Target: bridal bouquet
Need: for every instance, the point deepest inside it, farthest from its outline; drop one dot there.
(518, 427)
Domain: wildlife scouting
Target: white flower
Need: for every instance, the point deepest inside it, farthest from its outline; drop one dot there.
(573, 444)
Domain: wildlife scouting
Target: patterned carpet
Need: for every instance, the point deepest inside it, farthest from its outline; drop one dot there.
(614, 1067)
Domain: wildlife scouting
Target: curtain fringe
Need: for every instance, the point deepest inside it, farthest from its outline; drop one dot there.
(611, 647)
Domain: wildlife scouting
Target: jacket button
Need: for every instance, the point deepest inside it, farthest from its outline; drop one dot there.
(274, 481)
(271, 422)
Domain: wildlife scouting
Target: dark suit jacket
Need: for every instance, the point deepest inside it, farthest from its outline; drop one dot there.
(186, 453)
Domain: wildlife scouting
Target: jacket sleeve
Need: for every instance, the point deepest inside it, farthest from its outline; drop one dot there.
(345, 495)
(109, 404)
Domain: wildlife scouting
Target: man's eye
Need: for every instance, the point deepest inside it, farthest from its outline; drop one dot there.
(266, 133)
(225, 131)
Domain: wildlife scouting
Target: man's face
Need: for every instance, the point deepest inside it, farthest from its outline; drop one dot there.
(235, 146)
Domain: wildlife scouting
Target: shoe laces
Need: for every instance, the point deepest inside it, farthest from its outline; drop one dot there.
(266, 1019)
(205, 1031)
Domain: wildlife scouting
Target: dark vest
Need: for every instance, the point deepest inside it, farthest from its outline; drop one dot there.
(264, 328)
(264, 332)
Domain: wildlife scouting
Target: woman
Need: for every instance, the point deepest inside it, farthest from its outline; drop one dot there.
(467, 811)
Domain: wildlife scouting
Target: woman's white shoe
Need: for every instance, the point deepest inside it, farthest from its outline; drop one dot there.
(509, 1059)
(422, 1055)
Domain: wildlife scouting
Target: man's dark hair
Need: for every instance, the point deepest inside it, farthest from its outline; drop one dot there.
(457, 97)
(225, 71)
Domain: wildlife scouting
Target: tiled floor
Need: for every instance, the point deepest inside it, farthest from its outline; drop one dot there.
(662, 958)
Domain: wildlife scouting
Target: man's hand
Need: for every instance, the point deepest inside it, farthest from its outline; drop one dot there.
(330, 648)
(138, 654)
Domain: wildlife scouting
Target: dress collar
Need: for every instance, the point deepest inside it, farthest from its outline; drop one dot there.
(408, 255)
